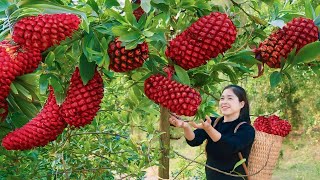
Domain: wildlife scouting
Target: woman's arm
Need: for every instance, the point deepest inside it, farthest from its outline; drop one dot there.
(188, 132)
(211, 131)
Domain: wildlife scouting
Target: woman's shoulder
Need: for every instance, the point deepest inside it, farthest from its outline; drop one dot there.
(245, 126)
(214, 119)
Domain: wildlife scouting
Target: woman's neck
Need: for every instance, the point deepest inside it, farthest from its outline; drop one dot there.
(230, 118)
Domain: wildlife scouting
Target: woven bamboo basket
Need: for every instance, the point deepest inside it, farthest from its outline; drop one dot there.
(264, 155)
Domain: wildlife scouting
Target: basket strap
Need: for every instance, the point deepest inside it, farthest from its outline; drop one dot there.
(216, 121)
(237, 127)
(240, 154)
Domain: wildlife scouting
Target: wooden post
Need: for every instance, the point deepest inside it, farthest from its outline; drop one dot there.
(164, 143)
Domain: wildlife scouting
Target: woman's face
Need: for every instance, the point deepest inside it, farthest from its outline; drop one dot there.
(229, 103)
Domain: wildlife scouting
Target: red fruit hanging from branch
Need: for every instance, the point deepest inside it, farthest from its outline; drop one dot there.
(41, 130)
(43, 31)
(205, 39)
(83, 101)
(178, 98)
(122, 60)
(14, 61)
(296, 33)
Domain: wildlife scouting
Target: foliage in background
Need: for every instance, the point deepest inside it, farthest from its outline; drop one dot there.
(123, 139)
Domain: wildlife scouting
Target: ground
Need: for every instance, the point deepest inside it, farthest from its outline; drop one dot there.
(299, 158)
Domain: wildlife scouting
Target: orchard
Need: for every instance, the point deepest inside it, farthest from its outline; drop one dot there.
(87, 87)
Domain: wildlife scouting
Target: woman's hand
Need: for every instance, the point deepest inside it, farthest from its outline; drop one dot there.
(177, 122)
(202, 125)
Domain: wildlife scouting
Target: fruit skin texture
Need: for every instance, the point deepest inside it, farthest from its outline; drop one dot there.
(296, 33)
(139, 11)
(178, 98)
(83, 101)
(14, 61)
(206, 38)
(122, 60)
(41, 130)
(43, 31)
(272, 125)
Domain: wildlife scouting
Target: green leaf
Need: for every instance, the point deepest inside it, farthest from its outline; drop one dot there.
(145, 5)
(148, 33)
(58, 89)
(4, 4)
(92, 53)
(27, 108)
(258, 20)
(290, 58)
(309, 9)
(119, 30)
(93, 5)
(50, 58)
(130, 36)
(128, 10)
(31, 79)
(105, 43)
(308, 53)
(317, 11)
(239, 163)
(13, 89)
(182, 75)
(60, 51)
(134, 117)
(43, 83)
(269, 2)
(4, 34)
(244, 57)
(116, 15)
(23, 91)
(201, 79)
(86, 69)
(317, 21)
(111, 3)
(275, 79)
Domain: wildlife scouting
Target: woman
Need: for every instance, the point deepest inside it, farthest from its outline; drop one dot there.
(223, 144)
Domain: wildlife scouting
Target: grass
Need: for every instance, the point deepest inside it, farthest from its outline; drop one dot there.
(299, 159)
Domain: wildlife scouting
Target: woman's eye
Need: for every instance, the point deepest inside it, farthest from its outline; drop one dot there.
(230, 98)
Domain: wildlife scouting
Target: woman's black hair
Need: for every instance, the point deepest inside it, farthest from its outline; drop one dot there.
(242, 95)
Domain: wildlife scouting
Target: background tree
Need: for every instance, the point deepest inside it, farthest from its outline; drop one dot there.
(124, 139)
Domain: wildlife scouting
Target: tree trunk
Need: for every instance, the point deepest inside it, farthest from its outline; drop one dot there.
(164, 143)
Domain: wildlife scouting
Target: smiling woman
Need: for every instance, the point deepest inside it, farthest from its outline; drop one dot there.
(223, 145)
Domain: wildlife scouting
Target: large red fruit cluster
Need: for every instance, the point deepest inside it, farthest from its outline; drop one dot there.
(122, 60)
(83, 101)
(14, 61)
(41, 130)
(43, 31)
(205, 39)
(296, 33)
(178, 98)
(272, 125)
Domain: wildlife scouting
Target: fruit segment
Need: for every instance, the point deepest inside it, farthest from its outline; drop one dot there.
(205, 39)
(296, 33)
(122, 60)
(41, 130)
(83, 101)
(272, 125)
(178, 98)
(43, 31)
